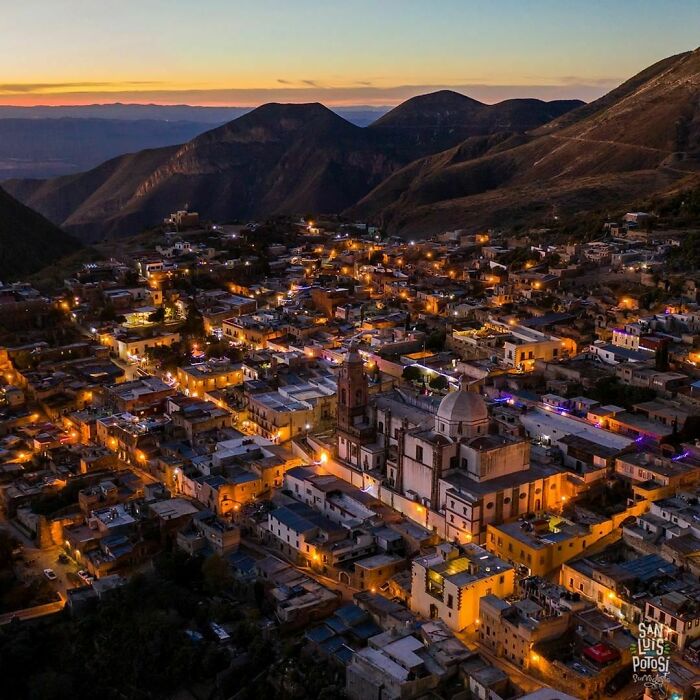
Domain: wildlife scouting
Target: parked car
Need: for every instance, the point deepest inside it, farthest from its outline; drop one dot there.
(50, 574)
(618, 681)
(85, 576)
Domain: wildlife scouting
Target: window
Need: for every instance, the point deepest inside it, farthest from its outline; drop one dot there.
(419, 453)
(450, 600)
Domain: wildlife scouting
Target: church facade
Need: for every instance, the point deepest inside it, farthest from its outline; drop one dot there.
(445, 456)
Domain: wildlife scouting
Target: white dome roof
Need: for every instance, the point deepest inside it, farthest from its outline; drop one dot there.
(463, 407)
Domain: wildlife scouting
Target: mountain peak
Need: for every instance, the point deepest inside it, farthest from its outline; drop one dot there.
(426, 107)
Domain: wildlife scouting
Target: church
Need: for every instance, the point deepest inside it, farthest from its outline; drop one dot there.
(444, 461)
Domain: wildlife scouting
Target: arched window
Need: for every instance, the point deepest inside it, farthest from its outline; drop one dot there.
(343, 397)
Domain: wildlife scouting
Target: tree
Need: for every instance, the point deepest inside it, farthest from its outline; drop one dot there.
(217, 574)
(194, 323)
(608, 390)
(107, 313)
(412, 373)
(158, 316)
(439, 382)
(436, 340)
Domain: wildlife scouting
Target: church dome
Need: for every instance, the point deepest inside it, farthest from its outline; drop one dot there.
(462, 407)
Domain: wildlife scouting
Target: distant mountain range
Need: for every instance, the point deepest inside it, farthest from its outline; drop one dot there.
(275, 159)
(362, 115)
(41, 142)
(66, 145)
(436, 162)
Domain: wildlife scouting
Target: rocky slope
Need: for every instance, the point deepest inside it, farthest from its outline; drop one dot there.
(643, 138)
(277, 159)
(28, 241)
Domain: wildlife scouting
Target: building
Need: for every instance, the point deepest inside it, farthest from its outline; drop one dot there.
(207, 532)
(132, 347)
(511, 630)
(539, 545)
(145, 394)
(292, 410)
(448, 584)
(525, 346)
(196, 380)
(404, 664)
(678, 614)
(439, 462)
(354, 427)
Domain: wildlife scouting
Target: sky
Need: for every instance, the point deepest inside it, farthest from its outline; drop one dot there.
(340, 52)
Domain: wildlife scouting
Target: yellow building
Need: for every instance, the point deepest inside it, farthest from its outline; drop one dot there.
(449, 584)
(539, 545)
(526, 345)
(135, 346)
(196, 380)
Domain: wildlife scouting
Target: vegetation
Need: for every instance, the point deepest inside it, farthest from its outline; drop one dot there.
(412, 374)
(608, 390)
(152, 638)
(439, 382)
(436, 340)
(16, 593)
(686, 256)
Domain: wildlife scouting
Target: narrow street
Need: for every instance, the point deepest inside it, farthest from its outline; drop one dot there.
(32, 564)
(528, 683)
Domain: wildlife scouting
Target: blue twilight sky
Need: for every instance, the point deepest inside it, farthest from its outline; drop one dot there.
(244, 52)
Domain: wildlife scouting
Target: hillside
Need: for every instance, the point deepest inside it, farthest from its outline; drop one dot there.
(52, 147)
(28, 241)
(434, 122)
(643, 138)
(277, 159)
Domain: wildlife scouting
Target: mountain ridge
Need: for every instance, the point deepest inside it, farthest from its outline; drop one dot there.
(276, 159)
(641, 139)
(28, 241)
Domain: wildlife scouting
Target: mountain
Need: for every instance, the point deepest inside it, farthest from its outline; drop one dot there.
(28, 241)
(361, 115)
(439, 120)
(40, 142)
(276, 159)
(641, 139)
(51, 147)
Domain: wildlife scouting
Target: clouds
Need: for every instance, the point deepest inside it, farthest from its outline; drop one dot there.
(360, 92)
(30, 88)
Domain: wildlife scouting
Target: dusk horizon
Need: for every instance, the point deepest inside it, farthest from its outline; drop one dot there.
(350, 350)
(243, 53)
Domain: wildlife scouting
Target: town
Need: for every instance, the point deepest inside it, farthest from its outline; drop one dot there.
(465, 466)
